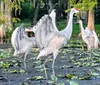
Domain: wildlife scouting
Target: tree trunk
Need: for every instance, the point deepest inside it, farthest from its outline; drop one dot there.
(59, 3)
(2, 27)
(90, 24)
(36, 12)
(34, 1)
(8, 14)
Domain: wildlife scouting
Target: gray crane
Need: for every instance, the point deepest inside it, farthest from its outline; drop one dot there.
(89, 37)
(21, 42)
(49, 40)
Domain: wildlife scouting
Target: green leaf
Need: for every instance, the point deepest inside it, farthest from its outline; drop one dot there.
(1, 64)
(95, 74)
(22, 71)
(61, 84)
(85, 77)
(73, 83)
(54, 78)
(95, 54)
(38, 77)
(69, 76)
(38, 62)
(23, 83)
(50, 82)
(13, 71)
(74, 77)
(6, 65)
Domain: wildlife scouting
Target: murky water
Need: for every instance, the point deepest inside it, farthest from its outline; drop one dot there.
(73, 65)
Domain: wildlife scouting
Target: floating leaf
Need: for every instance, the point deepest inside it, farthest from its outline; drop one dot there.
(73, 83)
(38, 62)
(50, 60)
(69, 76)
(41, 70)
(23, 83)
(61, 76)
(38, 77)
(95, 74)
(95, 54)
(6, 65)
(99, 60)
(74, 77)
(50, 82)
(54, 78)
(85, 77)
(1, 64)
(61, 83)
(22, 71)
(13, 71)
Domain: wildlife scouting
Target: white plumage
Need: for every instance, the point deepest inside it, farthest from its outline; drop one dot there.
(21, 42)
(49, 39)
(89, 37)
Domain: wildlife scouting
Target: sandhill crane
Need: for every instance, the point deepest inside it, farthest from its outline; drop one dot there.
(49, 40)
(53, 16)
(89, 37)
(21, 42)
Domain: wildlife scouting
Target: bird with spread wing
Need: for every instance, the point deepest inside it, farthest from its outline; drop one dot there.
(21, 42)
(49, 40)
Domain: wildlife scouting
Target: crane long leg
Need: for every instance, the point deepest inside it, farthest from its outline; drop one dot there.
(53, 67)
(54, 57)
(25, 60)
(91, 55)
(45, 67)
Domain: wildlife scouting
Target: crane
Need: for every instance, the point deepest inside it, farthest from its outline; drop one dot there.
(21, 42)
(89, 37)
(64, 31)
(49, 40)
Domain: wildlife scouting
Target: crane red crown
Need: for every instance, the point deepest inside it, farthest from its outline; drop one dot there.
(76, 8)
(78, 20)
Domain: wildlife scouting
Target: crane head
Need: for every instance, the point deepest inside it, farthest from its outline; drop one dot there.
(53, 13)
(74, 10)
(78, 21)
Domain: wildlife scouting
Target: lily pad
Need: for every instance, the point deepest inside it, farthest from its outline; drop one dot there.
(54, 78)
(73, 83)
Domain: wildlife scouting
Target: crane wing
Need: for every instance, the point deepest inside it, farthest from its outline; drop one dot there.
(88, 32)
(96, 37)
(53, 16)
(18, 35)
(44, 32)
(14, 38)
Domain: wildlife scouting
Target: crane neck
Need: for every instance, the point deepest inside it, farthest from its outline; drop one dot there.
(81, 27)
(68, 30)
(70, 22)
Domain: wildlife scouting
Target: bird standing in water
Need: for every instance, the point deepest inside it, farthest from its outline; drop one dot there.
(21, 43)
(49, 40)
(89, 37)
